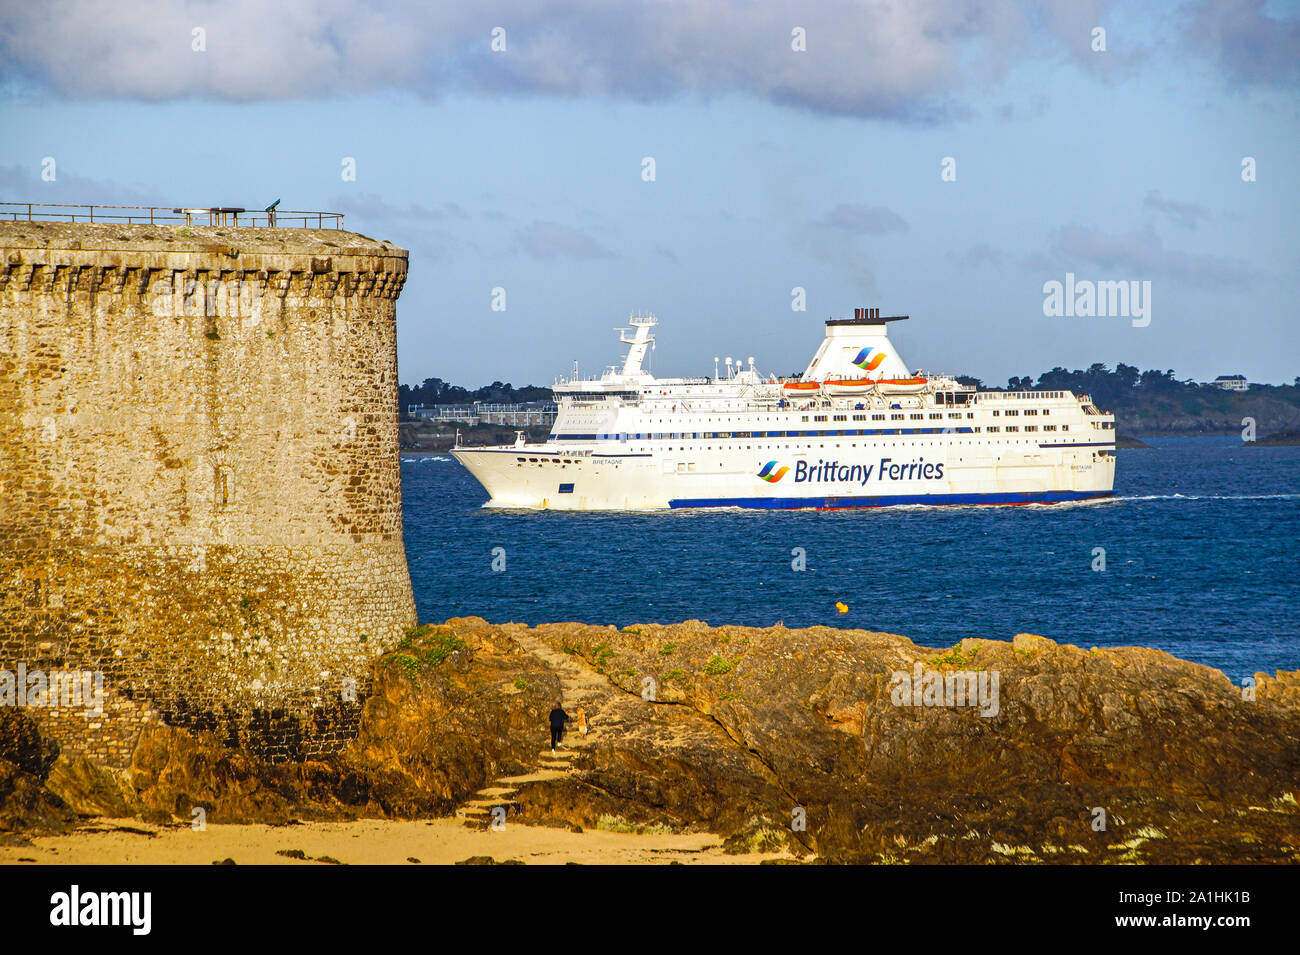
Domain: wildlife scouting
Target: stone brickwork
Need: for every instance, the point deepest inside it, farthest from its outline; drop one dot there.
(199, 483)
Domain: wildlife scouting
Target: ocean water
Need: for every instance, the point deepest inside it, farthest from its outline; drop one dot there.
(1202, 559)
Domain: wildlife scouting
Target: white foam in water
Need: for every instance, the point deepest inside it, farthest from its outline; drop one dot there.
(432, 457)
(1210, 497)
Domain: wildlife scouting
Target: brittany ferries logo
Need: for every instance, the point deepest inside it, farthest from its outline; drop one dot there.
(868, 362)
(771, 473)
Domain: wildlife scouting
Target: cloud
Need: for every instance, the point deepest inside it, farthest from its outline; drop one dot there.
(548, 240)
(978, 255)
(863, 220)
(1136, 255)
(1185, 215)
(370, 204)
(410, 225)
(1248, 46)
(25, 183)
(906, 60)
(898, 59)
(1036, 107)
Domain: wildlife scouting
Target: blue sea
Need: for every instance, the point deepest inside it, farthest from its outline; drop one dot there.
(1202, 559)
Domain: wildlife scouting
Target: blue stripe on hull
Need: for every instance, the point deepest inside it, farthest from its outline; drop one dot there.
(886, 500)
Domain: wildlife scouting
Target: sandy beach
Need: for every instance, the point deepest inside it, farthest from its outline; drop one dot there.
(364, 842)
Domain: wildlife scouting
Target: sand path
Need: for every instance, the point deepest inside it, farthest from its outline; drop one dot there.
(364, 842)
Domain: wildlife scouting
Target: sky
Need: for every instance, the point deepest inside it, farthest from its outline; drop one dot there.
(704, 159)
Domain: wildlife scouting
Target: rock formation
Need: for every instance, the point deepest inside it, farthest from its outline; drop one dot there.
(772, 738)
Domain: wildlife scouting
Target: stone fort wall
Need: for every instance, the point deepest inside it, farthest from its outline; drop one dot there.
(199, 480)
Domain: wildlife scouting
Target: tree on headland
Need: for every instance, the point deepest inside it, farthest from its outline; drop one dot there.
(1125, 389)
(435, 391)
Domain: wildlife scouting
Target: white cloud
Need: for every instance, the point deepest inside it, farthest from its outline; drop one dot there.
(858, 219)
(1139, 255)
(902, 59)
(549, 240)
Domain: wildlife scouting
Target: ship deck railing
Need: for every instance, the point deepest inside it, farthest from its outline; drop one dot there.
(161, 215)
(1023, 395)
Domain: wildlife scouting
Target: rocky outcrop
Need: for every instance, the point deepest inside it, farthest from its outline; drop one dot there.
(1207, 411)
(1165, 753)
(1280, 439)
(25, 761)
(804, 739)
(462, 704)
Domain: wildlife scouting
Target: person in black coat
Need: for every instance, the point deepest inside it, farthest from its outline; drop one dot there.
(558, 719)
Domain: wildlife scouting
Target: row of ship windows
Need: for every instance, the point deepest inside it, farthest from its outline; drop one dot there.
(689, 435)
(565, 461)
(914, 416)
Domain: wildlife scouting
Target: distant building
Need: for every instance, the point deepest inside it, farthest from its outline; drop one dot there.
(1230, 382)
(523, 414)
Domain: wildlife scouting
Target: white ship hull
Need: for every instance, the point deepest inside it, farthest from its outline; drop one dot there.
(632, 442)
(563, 480)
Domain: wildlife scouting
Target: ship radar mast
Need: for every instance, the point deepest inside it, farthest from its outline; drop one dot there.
(639, 343)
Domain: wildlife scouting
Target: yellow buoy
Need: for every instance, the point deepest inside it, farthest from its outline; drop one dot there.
(841, 606)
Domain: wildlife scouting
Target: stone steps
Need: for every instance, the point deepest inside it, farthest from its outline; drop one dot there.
(580, 687)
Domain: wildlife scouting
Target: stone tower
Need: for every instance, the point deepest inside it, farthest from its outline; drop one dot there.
(199, 481)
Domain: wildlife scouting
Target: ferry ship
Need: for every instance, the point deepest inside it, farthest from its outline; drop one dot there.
(856, 429)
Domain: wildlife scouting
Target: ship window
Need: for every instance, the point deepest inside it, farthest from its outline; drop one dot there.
(1047, 411)
(933, 416)
(877, 417)
(1065, 427)
(895, 417)
(566, 488)
(519, 459)
(1031, 427)
(1012, 427)
(970, 414)
(994, 429)
(995, 414)
(1011, 412)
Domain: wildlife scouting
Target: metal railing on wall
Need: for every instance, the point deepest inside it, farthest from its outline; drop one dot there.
(154, 215)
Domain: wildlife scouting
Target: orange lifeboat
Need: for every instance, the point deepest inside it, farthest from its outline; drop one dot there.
(802, 387)
(849, 386)
(901, 385)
